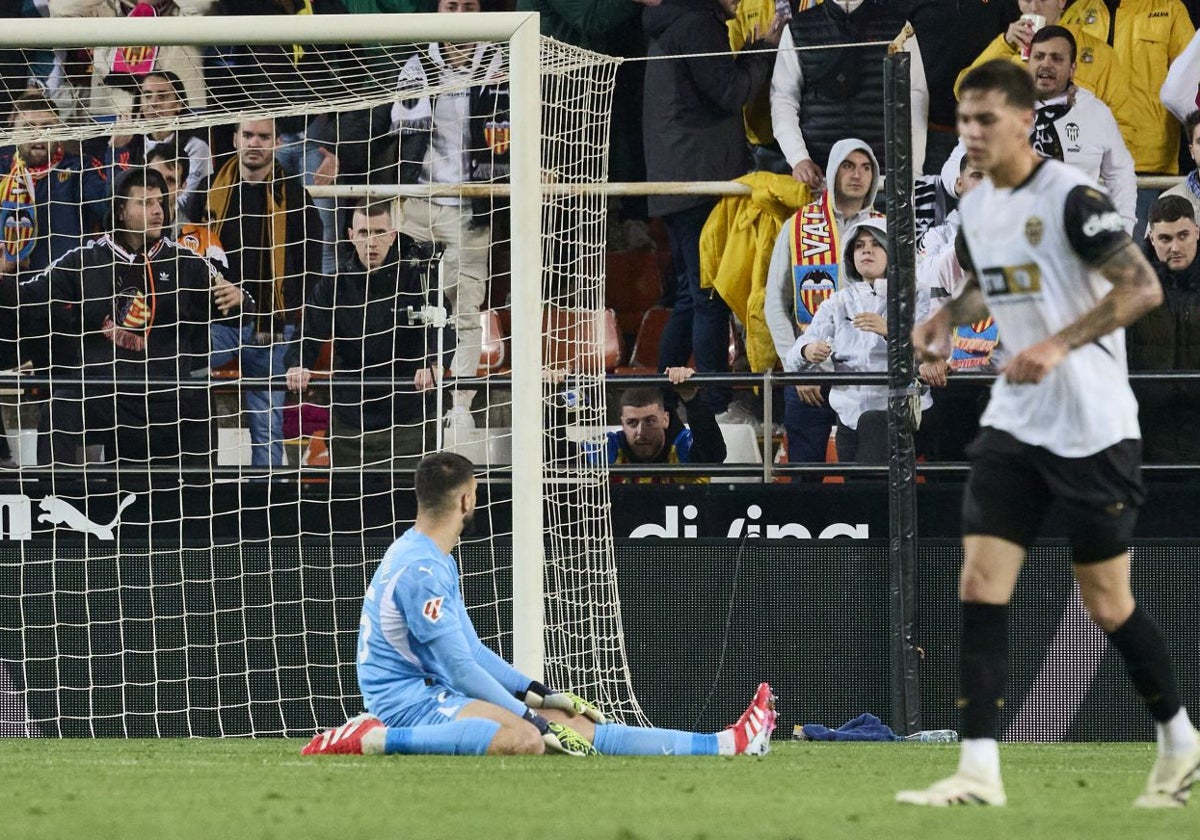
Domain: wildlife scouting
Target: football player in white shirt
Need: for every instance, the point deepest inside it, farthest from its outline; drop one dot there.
(1048, 255)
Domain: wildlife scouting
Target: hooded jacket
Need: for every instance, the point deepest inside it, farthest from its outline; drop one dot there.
(779, 302)
(692, 110)
(854, 349)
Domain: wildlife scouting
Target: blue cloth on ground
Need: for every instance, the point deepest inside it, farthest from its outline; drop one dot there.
(865, 727)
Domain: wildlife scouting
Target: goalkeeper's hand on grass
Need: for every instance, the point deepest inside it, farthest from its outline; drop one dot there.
(560, 738)
(537, 696)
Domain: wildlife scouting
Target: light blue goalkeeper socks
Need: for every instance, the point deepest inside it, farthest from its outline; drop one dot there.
(616, 739)
(470, 736)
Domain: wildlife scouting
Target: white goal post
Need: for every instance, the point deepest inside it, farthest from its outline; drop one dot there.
(528, 212)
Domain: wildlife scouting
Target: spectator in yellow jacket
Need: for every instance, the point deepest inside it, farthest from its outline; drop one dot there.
(1097, 69)
(752, 18)
(1146, 35)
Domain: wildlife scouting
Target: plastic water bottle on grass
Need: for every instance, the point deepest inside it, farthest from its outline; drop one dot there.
(933, 736)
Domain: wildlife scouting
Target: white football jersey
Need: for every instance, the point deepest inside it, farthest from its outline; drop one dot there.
(1032, 247)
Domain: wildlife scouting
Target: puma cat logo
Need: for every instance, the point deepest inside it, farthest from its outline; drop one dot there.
(61, 512)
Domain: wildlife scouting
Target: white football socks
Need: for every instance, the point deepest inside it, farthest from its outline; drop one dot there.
(980, 759)
(1176, 735)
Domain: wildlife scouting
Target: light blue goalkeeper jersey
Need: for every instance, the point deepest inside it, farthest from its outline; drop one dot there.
(413, 599)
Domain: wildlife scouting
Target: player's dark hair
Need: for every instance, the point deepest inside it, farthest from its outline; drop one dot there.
(439, 475)
(1000, 74)
(641, 397)
(1171, 208)
(1189, 126)
(169, 153)
(1047, 32)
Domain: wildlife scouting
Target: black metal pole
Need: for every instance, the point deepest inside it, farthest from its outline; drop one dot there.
(902, 502)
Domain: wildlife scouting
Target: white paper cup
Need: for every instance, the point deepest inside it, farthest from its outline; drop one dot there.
(1038, 22)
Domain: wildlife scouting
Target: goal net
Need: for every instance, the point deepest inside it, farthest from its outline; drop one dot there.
(246, 288)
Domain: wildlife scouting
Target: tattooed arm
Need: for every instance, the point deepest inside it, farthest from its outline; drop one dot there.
(1135, 292)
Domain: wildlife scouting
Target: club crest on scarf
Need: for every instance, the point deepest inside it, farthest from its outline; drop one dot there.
(17, 218)
(814, 242)
(131, 310)
(497, 136)
(812, 289)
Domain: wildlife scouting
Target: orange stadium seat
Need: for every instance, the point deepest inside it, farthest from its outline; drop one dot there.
(570, 335)
(493, 353)
(644, 358)
(632, 285)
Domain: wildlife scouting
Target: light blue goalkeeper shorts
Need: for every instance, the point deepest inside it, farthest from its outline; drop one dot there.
(420, 705)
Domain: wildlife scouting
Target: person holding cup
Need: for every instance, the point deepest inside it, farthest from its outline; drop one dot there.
(1098, 71)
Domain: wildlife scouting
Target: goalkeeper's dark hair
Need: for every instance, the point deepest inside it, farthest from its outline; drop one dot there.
(642, 397)
(1000, 74)
(439, 475)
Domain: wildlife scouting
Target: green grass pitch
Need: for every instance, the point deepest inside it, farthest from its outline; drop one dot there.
(180, 790)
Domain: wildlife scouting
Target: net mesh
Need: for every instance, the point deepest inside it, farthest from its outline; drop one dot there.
(212, 454)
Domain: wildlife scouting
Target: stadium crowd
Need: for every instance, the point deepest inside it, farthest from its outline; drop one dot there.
(783, 96)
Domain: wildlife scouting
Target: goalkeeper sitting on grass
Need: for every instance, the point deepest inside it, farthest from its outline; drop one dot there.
(430, 685)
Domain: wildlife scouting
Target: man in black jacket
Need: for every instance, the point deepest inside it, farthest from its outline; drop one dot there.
(375, 312)
(694, 131)
(125, 308)
(1168, 338)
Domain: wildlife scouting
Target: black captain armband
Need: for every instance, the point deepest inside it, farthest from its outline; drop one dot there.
(1094, 228)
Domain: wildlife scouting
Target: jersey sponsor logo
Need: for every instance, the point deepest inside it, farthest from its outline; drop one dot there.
(1034, 228)
(1098, 223)
(1012, 280)
(1087, 55)
(433, 609)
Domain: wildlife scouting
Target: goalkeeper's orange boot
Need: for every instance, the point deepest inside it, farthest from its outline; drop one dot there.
(752, 732)
(362, 735)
